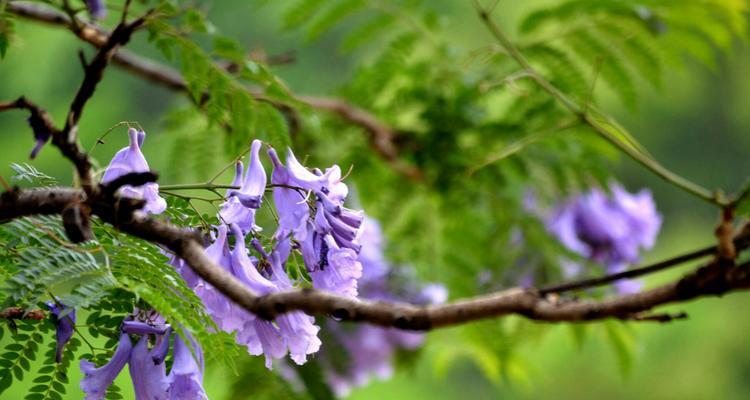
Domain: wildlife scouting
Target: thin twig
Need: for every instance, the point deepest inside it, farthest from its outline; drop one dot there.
(598, 124)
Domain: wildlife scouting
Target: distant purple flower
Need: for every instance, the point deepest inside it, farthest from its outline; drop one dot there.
(131, 159)
(64, 325)
(608, 230)
(42, 134)
(97, 9)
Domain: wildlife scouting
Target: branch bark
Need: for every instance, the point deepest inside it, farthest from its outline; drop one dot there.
(381, 136)
(713, 279)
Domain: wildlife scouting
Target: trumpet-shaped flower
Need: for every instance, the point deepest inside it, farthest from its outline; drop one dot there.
(131, 159)
(96, 380)
(186, 376)
(241, 204)
(64, 325)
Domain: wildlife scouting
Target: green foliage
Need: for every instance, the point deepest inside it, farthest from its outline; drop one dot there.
(16, 358)
(87, 274)
(6, 29)
(28, 173)
(231, 91)
(453, 109)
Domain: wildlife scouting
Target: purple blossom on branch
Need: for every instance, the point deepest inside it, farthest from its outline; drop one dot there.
(64, 325)
(130, 159)
(370, 349)
(610, 230)
(146, 366)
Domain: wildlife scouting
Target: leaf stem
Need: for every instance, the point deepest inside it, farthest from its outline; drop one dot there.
(604, 125)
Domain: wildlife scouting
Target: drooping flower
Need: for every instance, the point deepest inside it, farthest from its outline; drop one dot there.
(186, 376)
(297, 328)
(228, 316)
(146, 365)
(290, 204)
(130, 159)
(369, 350)
(241, 204)
(96, 380)
(610, 230)
(149, 378)
(293, 332)
(329, 243)
(97, 9)
(339, 269)
(63, 325)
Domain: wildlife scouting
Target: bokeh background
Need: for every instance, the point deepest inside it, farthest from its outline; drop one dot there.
(697, 124)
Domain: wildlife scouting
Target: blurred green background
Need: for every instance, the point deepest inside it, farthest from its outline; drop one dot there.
(697, 124)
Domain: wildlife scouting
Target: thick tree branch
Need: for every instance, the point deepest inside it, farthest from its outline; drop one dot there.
(714, 279)
(20, 313)
(381, 135)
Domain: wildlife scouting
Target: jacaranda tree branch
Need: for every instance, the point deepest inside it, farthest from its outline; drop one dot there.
(713, 279)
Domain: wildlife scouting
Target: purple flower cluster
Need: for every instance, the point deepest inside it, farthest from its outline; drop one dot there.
(327, 241)
(607, 229)
(312, 221)
(146, 365)
(369, 349)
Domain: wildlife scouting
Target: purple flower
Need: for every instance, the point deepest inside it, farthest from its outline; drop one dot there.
(146, 366)
(241, 204)
(297, 328)
(149, 378)
(41, 134)
(142, 328)
(245, 269)
(608, 230)
(232, 211)
(339, 270)
(161, 348)
(64, 325)
(329, 243)
(186, 376)
(97, 380)
(131, 159)
(290, 204)
(369, 350)
(228, 316)
(374, 265)
(97, 9)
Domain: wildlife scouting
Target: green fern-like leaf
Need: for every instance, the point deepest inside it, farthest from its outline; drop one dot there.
(607, 63)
